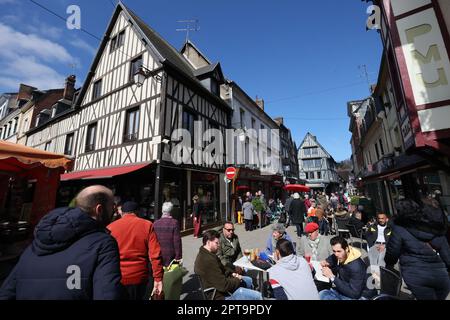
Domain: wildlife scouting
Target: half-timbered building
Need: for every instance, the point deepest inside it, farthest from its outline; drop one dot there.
(121, 132)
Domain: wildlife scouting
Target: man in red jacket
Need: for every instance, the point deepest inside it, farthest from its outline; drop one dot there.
(137, 245)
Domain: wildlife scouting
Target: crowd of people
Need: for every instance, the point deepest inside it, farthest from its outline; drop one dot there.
(80, 253)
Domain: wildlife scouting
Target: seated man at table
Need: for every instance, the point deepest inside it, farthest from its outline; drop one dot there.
(315, 246)
(229, 286)
(291, 277)
(229, 248)
(278, 232)
(346, 270)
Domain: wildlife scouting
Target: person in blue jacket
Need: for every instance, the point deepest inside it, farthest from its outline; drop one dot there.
(418, 241)
(72, 257)
(278, 232)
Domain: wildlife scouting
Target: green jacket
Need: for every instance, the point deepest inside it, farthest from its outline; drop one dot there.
(229, 252)
(213, 274)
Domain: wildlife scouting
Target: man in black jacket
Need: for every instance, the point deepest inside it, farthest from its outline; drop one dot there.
(346, 270)
(72, 257)
(297, 212)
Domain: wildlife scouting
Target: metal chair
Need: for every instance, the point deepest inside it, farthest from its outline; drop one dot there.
(390, 284)
(341, 227)
(356, 233)
(207, 293)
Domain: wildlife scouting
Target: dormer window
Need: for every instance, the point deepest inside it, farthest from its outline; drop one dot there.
(214, 86)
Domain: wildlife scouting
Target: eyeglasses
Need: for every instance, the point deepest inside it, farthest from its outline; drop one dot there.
(229, 230)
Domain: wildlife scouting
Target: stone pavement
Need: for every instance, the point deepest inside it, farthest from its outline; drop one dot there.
(253, 239)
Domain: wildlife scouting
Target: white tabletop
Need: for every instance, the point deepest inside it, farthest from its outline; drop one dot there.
(318, 268)
(243, 262)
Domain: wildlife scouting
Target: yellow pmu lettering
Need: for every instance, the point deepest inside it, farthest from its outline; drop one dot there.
(417, 31)
(441, 81)
(421, 60)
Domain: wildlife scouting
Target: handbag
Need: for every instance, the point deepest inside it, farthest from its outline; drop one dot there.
(173, 280)
(261, 264)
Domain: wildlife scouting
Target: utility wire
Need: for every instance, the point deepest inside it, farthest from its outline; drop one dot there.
(316, 92)
(62, 18)
(84, 30)
(112, 3)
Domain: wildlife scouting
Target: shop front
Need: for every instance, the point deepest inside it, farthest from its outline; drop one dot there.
(137, 183)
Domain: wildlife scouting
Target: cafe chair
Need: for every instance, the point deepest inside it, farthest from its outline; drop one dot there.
(356, 233)
(390, 285)
(341, 227)
(207, 293)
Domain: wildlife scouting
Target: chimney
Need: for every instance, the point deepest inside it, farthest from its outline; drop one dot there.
(260, 102)
(69, 89)
(279, 120)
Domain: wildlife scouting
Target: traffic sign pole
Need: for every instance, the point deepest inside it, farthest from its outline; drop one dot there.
(230, 173)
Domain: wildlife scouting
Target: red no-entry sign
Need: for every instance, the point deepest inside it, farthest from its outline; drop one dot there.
(230, 173)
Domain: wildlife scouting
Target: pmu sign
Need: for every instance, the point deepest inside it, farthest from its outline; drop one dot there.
(420, 38)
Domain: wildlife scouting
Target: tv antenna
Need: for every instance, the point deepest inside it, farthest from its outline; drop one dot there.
(365, 74)
(188, 28)
(73, 66)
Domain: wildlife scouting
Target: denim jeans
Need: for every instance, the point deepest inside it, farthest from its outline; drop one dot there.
(248, 282)
(332, 294)
(246, 292)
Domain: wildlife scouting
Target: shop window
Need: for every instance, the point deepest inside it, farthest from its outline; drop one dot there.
(207, 188)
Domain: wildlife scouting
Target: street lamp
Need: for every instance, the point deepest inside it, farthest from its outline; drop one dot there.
(143, 73)
(241, 134)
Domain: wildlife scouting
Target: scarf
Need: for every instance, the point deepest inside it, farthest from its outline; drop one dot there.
(166, 215)
(314, 245)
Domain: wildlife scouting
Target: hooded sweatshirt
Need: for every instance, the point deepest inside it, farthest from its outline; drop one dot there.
(294, 275)
(71, 258)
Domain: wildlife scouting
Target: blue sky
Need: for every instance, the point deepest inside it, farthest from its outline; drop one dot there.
(301, 57)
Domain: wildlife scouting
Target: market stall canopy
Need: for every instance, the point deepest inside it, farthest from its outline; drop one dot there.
(16, 157)
(296, 187)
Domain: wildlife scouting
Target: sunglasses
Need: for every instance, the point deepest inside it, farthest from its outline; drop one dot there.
(229, 230)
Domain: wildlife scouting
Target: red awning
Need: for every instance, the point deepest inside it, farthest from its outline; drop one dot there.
(242, 188)
(102, 173)
(296, 187)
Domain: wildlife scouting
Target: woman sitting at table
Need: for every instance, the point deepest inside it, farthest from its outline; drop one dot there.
(291, 277)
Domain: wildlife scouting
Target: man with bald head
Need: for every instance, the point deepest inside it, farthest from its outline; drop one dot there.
(72, 256)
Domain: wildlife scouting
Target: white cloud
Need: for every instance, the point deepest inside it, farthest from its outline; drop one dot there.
(28, 58)
(18, 43)
(45, 29)
(81, 44)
